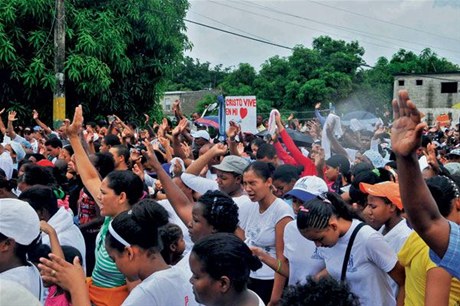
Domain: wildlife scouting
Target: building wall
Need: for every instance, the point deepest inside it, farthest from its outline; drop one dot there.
(189, 100)
(425, 90)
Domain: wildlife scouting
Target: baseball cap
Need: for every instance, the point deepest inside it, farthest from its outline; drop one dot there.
(201, 134)
(307, 188)
(19, 221)
(232, 163)
(37, 128)
(18, 149)
(388, 190)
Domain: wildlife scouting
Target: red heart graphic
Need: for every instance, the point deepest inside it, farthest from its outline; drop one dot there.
(243, 112)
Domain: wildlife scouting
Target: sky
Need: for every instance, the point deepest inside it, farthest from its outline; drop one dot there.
(381, 27)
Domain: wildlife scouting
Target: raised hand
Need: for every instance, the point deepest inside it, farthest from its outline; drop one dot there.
(187, 150)
(219, 149)
(147, 118)
(233, 130)
(406, 132)
(74, 128)
(62, 273)
(164, 142)
(150, 154)
(2, 111)
(35, 114)
(12, 116)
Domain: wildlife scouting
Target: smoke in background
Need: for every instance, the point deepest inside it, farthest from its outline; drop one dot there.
(444, 3)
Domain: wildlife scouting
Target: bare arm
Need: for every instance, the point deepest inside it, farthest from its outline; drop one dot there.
(437, 287)
(179, 201)
(280, 280)
(10, 127)
(198, 165)
(88, 173)
(54, 241)
(40, 123)
(398, 274)
(272, 262)
(418, 203)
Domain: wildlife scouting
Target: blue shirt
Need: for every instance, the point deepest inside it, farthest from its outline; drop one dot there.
(451, 259)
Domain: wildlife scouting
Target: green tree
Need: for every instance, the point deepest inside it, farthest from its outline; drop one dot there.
(240, 81)
(118, 53)
(191, 74)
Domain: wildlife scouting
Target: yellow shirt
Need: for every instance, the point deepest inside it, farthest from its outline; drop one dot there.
(414, 256)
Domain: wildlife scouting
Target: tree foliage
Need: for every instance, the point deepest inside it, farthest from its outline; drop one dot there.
(330, 71)
(118, 53)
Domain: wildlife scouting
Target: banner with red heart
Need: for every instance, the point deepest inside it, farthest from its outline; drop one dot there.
(243, 111)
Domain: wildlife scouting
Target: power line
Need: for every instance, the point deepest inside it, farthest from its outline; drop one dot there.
(231, 27)
(239, 35)
(310, 28)
(382, 20)
(343, 27)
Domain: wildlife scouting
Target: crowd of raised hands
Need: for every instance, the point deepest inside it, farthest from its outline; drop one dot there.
(169, 213)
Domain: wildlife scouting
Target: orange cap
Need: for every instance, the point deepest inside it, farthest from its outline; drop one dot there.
(388, 190)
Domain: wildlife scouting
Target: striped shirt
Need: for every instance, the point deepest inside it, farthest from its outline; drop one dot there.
(105, 273)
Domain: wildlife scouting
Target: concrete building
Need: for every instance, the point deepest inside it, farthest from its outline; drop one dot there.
(189, 100)
(433, 93)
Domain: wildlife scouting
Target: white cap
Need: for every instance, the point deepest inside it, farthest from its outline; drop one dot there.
(201, 134)
(19, 221)
(307, 188)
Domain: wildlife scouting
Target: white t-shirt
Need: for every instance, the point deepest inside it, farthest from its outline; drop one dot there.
(27, 276)
(199, 183)
(396, 238)
(174, 218)
(260, 231)
(371, 258)
(245, 205)
(166, 287)
(302, 255)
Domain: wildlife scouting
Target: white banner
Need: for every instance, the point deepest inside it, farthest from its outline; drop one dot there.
(243, 111)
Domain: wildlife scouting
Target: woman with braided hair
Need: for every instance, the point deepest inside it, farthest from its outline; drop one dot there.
(327, 221)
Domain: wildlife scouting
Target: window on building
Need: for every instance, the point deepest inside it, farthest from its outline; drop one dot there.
(168, 103)
(449, 87)
(401, 82)
(419, 82)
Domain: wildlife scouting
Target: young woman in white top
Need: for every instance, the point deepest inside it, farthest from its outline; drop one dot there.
(220, 264)
(264, 228)
(329, 223)
(133, 242)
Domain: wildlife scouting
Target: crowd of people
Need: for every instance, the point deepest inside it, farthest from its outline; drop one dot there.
(108, 213)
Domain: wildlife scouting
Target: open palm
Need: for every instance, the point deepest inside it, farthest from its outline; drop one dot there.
(407, 128)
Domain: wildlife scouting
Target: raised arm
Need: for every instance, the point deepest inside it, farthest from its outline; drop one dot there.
(198, 165)
(309, 166)
(88, 173)
(40, 123)
(10, 127)
(179, 201)
(418, 203)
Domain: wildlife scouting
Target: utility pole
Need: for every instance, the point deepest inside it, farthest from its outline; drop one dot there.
(59, 59)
